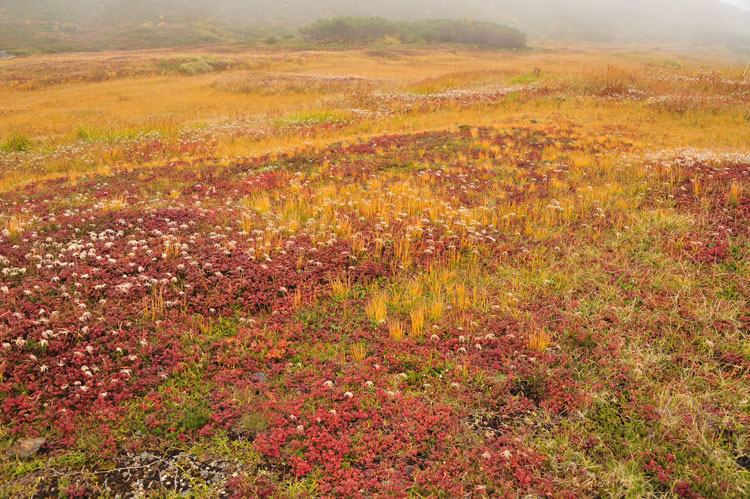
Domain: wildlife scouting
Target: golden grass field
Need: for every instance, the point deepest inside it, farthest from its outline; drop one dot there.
(232, 272)
(93, 97)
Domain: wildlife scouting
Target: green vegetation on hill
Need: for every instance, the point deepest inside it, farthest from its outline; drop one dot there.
(370, 29)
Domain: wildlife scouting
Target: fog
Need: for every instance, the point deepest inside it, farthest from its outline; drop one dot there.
(664, 21)
(743, 4)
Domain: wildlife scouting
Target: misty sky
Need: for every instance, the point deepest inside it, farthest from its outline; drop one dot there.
(743, 4)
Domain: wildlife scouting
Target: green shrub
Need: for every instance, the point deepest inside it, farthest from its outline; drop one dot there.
(194, 65)
(196, 68)
(85, 133)
(312, 118)
(16, 142)
(195, 416)
(369, 29)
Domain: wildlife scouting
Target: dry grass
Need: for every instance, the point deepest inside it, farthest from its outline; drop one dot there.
(340, 288)
(377, 308)
(539, 341)
(396, 330)
(417, 322)
(102, 118)
(14, 225)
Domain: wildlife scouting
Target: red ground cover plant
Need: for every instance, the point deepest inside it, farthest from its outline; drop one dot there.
(231, 309)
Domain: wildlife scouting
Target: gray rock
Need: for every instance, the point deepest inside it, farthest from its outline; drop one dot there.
(26, 448)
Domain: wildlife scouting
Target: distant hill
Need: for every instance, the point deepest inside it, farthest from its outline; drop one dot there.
(54, 25)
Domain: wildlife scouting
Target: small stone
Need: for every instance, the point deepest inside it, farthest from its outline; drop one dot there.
(258, 377)
(26, 448)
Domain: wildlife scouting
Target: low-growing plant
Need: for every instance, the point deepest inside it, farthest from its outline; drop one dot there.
(17, 142)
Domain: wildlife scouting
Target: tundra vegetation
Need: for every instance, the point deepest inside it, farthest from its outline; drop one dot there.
(374, 272)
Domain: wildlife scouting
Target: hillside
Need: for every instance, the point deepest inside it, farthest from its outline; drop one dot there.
(40, 25)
